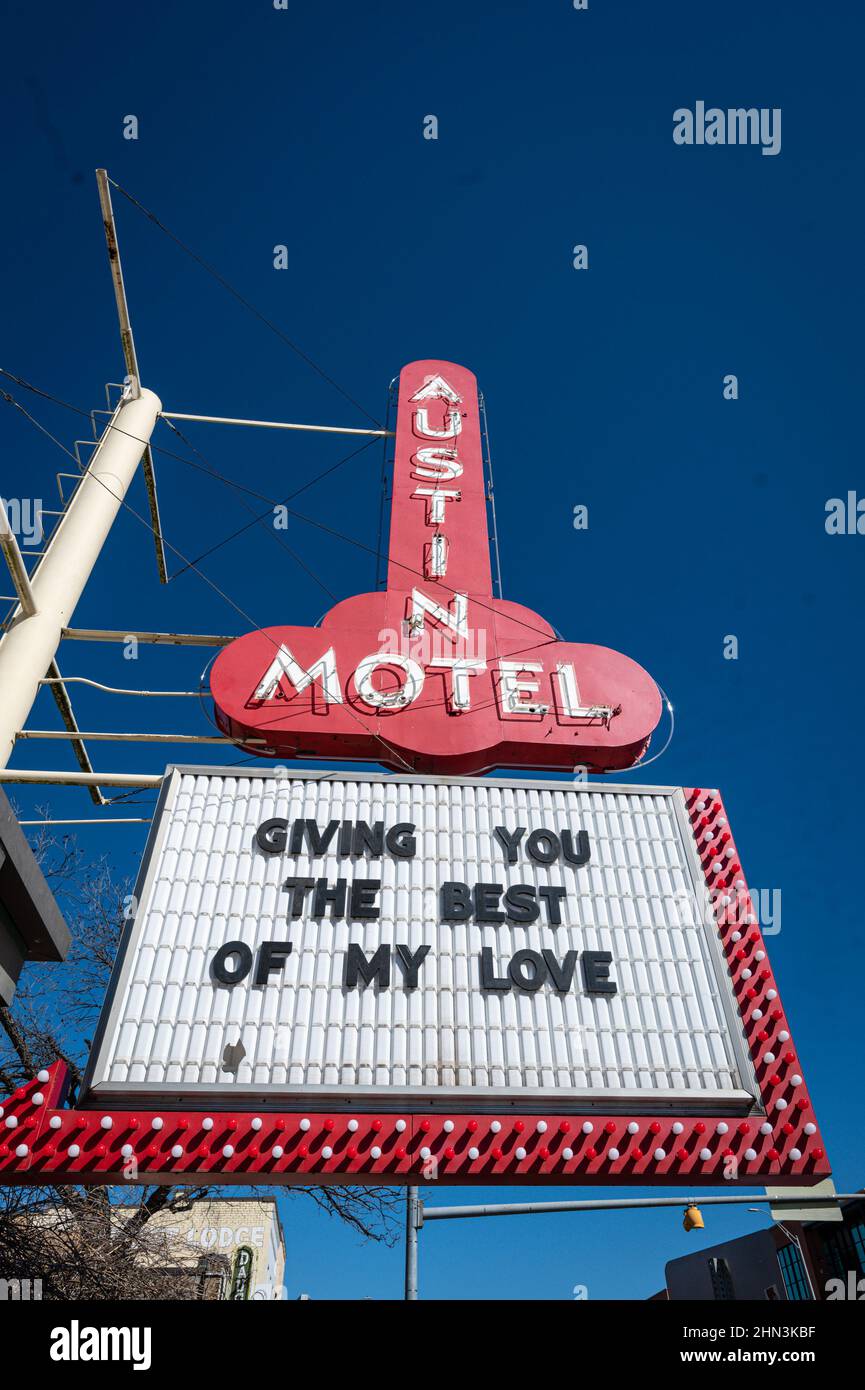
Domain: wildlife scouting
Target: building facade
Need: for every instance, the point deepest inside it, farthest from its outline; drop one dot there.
(223, 1248)
(790, 1261)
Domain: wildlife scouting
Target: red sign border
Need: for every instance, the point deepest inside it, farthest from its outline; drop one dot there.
(43, 1142)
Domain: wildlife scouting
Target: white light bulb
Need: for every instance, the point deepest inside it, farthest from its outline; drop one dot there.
(758, 1013)
(795, 1154)
(567, 1155)
(256, 1123)
(158, 1123)
(659, 1154)
(37, 1098)
(736, 936)
(474, 1153)
(678, 1127)
(587, 1127)
(176, 1151)
(207, 1123)
(633, 1127)
(73, 1150)
(810, 1128)
(21, 1151)
(765, 1127)
(541, 1126)
(304, 1125)
(750, 1155)
(496, 1126)
(11, 1122)
(448, 1126)
(614, 1154)
(106, 1122)
(520, 1154)
(705, 1155)
(352, 1125)
(126, 1151)
(55, 1122)
(400, 1126)
(278, 1151)
(228, 1150)
(425, 1153)
(768, 1056)
(771, 994)
(781, 1104)
(327, 1152)
(42, 1076)
(795, 1079)
(783, 1036)
(721, 1127)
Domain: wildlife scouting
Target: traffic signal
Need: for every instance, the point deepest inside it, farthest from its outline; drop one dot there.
(693, 1219)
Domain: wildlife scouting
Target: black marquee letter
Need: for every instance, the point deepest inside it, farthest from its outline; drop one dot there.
(220, 968)
(272, 956)
(357, 965)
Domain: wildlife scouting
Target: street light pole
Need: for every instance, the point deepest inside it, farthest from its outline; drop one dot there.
(413, 1218)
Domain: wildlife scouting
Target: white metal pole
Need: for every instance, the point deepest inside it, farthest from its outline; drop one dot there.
(275, 425)
(30, 645)
(15, 561)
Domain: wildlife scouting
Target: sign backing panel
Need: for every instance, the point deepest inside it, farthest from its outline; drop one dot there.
(658, 1027)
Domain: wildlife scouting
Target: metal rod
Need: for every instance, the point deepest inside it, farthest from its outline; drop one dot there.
(93, 820)
(138, 738)
(274, 425)
(616, 1203)
(30, 645)
(83, 779)
(131, 359)
(15, 561)
(67, 714)
(412, 1224)
(122, 690)
(168, 639)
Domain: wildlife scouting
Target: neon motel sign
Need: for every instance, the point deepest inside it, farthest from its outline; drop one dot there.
(435, 674)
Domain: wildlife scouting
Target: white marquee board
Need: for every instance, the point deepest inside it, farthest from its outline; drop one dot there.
(669, 1036)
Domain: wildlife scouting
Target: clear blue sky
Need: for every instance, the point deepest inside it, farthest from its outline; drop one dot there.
(259, 127)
